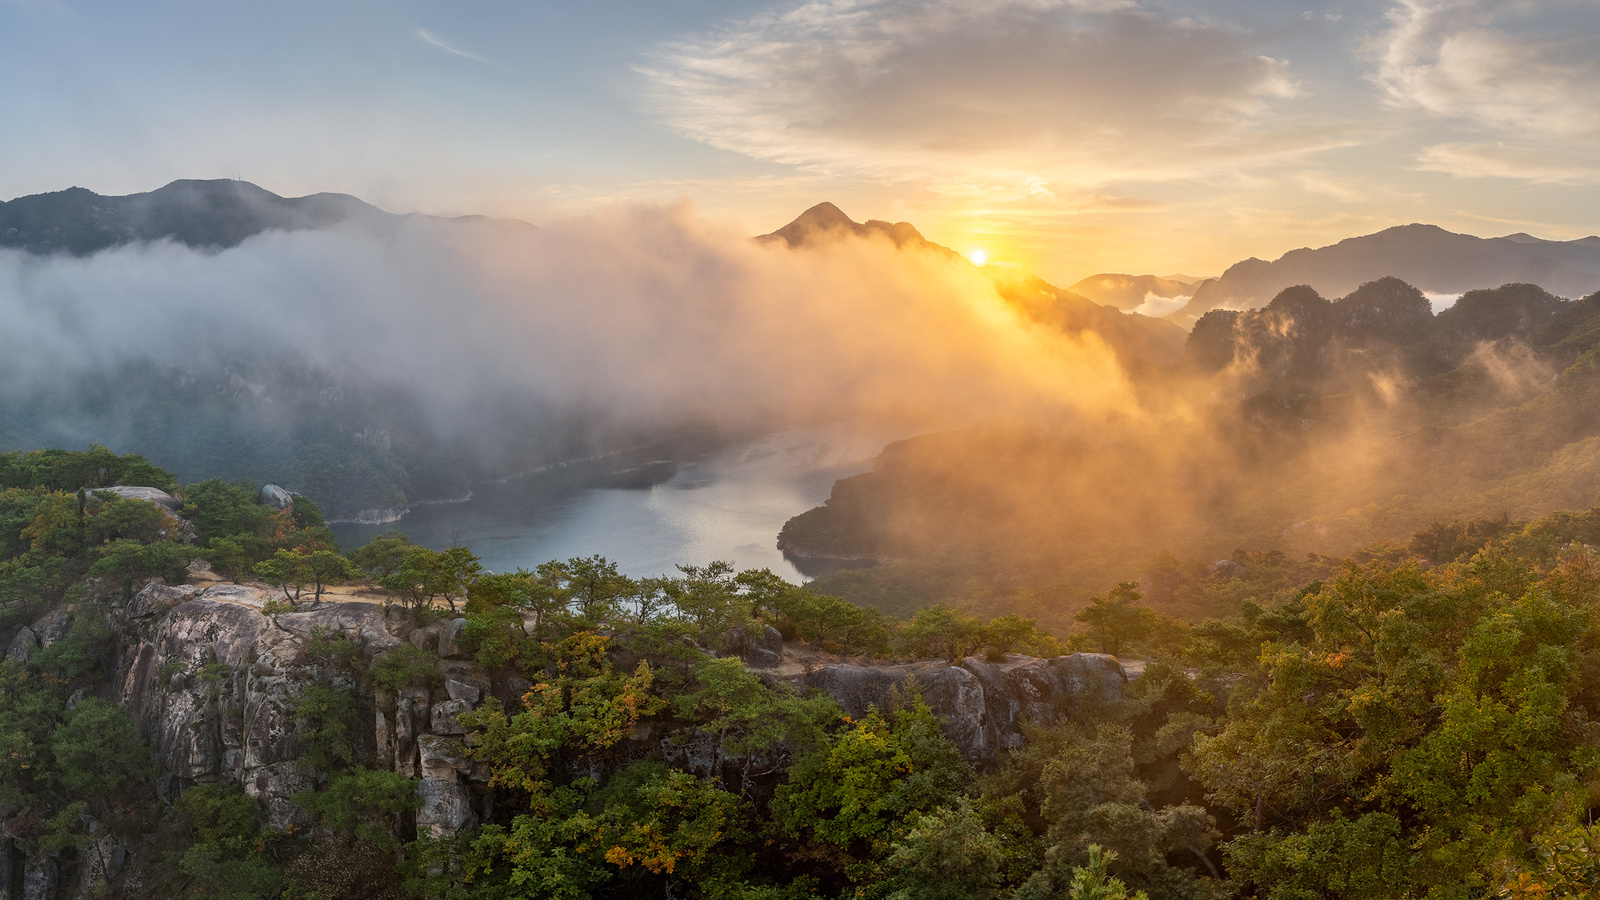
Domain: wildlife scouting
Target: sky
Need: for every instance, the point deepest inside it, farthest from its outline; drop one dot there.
(1067, 136)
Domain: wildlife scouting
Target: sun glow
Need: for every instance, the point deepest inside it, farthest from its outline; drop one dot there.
(978, 257)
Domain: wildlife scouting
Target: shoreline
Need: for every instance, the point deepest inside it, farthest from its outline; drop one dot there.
(391, 515)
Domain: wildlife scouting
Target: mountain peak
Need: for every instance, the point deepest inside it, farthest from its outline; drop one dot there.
(827, 219)
(820, 219)
(825, 214)
(214, 213)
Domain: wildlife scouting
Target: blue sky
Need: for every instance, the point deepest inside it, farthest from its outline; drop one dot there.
(1071, 136)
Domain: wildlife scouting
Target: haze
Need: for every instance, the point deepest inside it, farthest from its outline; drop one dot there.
(1069, 136)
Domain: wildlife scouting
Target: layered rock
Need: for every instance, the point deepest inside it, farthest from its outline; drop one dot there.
(760, 646)
(213, 684)
(982, 705)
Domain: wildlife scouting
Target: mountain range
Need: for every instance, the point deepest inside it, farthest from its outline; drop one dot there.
(1434, 260)
(211, 214)
(1137, 339)
(1133, 292)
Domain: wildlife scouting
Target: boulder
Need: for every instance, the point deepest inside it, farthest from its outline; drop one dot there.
(234, 593)
(274, 496)
(7, 868)
(954, 694)
(450, 638)
(442, 757)
(1091, 677)
(382, 734)
(353, 618)
(982, 705)
(147, 494)
(23, 645)
(425, 638)
(99, 862)
(40, 876)
(460, 690)
(156, 598)
(446, 809)
(445, 715)
(760, 646)
(52, 627)
(1227, 568)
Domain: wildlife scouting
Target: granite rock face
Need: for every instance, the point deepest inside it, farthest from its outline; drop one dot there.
(981, 704)
(760, 646)
(148, 494)
(274, 496)
(213, 684)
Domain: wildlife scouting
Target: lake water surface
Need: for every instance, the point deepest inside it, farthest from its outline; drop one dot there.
(726, 505)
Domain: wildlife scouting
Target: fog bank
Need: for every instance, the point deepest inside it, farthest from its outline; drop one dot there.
(652, 314)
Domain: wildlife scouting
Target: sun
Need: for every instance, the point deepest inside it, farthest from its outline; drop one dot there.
(978, 257)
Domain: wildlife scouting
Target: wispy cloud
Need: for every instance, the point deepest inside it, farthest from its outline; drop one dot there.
(439, 42)
(1540, 163)
(1520, 75)
(994, 95)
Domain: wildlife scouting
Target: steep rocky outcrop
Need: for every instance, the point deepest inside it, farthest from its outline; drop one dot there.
(214, 683)
(982, 704)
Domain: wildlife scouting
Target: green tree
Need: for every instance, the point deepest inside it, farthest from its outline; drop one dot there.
(234, 556)
(753, 727)
(1113, 623)
(947, 855)
(457, 569)
(288, 571)
(942, 632)
(219, 509)
(368, 805)
(326, 717)
(382, 556)
(98, 752)
(228, 857)
(710, 598)
(326, 567)
(1091, 881)
(860, 790)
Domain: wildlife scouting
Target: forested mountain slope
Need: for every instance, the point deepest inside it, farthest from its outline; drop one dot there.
(1307, 425)
(202, 697)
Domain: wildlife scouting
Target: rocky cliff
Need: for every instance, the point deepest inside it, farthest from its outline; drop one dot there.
(982, 704)
(213, 677)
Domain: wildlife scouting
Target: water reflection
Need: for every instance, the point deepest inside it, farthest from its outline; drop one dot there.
(728, 504)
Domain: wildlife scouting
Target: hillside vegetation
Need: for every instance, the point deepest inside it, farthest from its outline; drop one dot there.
(1411, 721)
(1307, 426)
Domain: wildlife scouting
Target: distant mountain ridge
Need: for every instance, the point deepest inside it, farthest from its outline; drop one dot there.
(1137, 339)
(212, 214)
(1129, 292)
(1427, 256)
(825, 219)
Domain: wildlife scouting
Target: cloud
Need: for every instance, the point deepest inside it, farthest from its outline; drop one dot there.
(1329, 185)
(1541, 163)
(1520, 73)
(435, 40)
(650, 314)
(1002, 92)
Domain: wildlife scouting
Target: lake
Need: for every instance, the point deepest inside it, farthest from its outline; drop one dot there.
(726, 504)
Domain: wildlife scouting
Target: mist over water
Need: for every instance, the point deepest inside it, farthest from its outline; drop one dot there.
(728, 504)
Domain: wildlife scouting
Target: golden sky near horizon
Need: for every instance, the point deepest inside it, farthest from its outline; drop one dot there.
(1067, 136)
